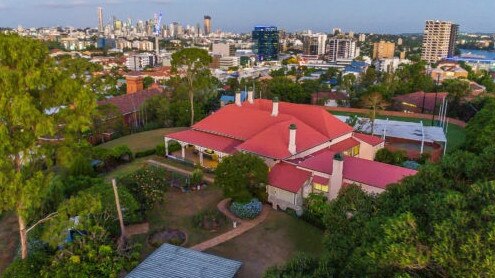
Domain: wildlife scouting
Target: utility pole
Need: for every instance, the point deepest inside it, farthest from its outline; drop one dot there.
(122, 240)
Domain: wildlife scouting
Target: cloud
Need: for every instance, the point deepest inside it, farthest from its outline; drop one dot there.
(66, 4)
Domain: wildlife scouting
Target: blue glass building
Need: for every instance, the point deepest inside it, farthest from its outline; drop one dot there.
(265, 39)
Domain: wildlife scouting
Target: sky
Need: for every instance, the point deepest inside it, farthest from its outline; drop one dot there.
(375, 16)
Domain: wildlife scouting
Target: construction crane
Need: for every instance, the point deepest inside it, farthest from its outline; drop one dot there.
(158, 28)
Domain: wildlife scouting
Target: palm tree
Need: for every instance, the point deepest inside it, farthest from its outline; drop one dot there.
(373, 101)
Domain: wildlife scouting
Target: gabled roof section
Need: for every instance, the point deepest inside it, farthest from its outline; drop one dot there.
(273, 142)
(314, 116)
(206, 140)
(287, 177)
(344, 145)
(368, 139)
(238, 122)
(374, 173)
(175, 261)
(130, 103)
(321, 161)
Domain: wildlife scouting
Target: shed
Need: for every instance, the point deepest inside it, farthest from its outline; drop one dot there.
(178, 262)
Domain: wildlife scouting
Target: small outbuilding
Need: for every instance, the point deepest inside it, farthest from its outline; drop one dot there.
(179, 262)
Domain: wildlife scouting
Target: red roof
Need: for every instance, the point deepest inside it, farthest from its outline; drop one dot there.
(344, 145)
(273, 142)
(417, 99)
(287, 177)
(373, 173)
(254, 124)
(206, 140)
(321, 161)
(314, 116)
(320, 180)
(368, 139)
(130, 103)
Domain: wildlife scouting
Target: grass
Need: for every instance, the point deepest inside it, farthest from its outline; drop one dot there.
(143, 140)
(456, 135)
(127, 168)
(177, 212)
(272, 242)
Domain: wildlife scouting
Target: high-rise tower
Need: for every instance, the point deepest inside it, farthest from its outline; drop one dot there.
(100, 19)
(439, 40)
(207, 23)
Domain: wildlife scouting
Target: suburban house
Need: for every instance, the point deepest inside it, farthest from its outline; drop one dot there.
(447, 70)
(306, 148)
(129, 104)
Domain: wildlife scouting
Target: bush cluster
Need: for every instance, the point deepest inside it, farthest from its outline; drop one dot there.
(246, 210)
(145, 153)
(112, 158)
(147, 185)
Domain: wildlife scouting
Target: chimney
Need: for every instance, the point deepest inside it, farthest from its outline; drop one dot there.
(292, 139)
(250, 97)
(336, 179)
(275, 107)
(238, 98)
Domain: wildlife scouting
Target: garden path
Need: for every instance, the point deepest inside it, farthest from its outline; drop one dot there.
(242, 227)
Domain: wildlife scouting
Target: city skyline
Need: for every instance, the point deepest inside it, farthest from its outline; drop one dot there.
(387, 16)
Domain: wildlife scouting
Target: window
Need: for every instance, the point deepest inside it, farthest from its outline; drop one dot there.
(320, 187)
(354, 151)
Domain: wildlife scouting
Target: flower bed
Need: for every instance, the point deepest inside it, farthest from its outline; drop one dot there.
(247, 210)
(171, 236)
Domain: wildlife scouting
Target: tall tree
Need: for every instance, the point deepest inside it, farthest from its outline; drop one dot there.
(38, 101)
(193, 64)
(374, 102)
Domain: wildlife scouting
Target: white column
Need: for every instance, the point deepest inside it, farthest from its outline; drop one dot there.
(201, 158)
(183, 146)
(166, 146)
(422, 137)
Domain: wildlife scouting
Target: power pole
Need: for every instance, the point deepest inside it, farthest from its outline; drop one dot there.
(122, 240)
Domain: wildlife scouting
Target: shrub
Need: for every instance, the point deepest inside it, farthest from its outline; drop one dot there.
(246, 210)
(29, 267)
(174, 146)
(81, 166)
(196, 177)
(390, 157)
(210, 219)
(145, 153)
(160, 150)
(315, 208)
(122, 153)
(147, 185)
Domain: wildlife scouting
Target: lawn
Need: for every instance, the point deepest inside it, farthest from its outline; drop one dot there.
(271, 243)
(177, 212)
(142, 141)
(456, 135)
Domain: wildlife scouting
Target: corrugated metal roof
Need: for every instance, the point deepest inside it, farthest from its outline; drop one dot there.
(178, 262)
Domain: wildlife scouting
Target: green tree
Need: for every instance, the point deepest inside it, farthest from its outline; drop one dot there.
(480, 130)
(374, 102)
(242, 176)
(37, 100)
(193, 64)
(147, 81)
(287, 90)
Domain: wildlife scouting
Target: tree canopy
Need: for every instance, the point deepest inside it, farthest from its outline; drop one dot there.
(242, 176)
(39, 102)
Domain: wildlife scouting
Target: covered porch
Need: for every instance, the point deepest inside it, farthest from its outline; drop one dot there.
(200, 148)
